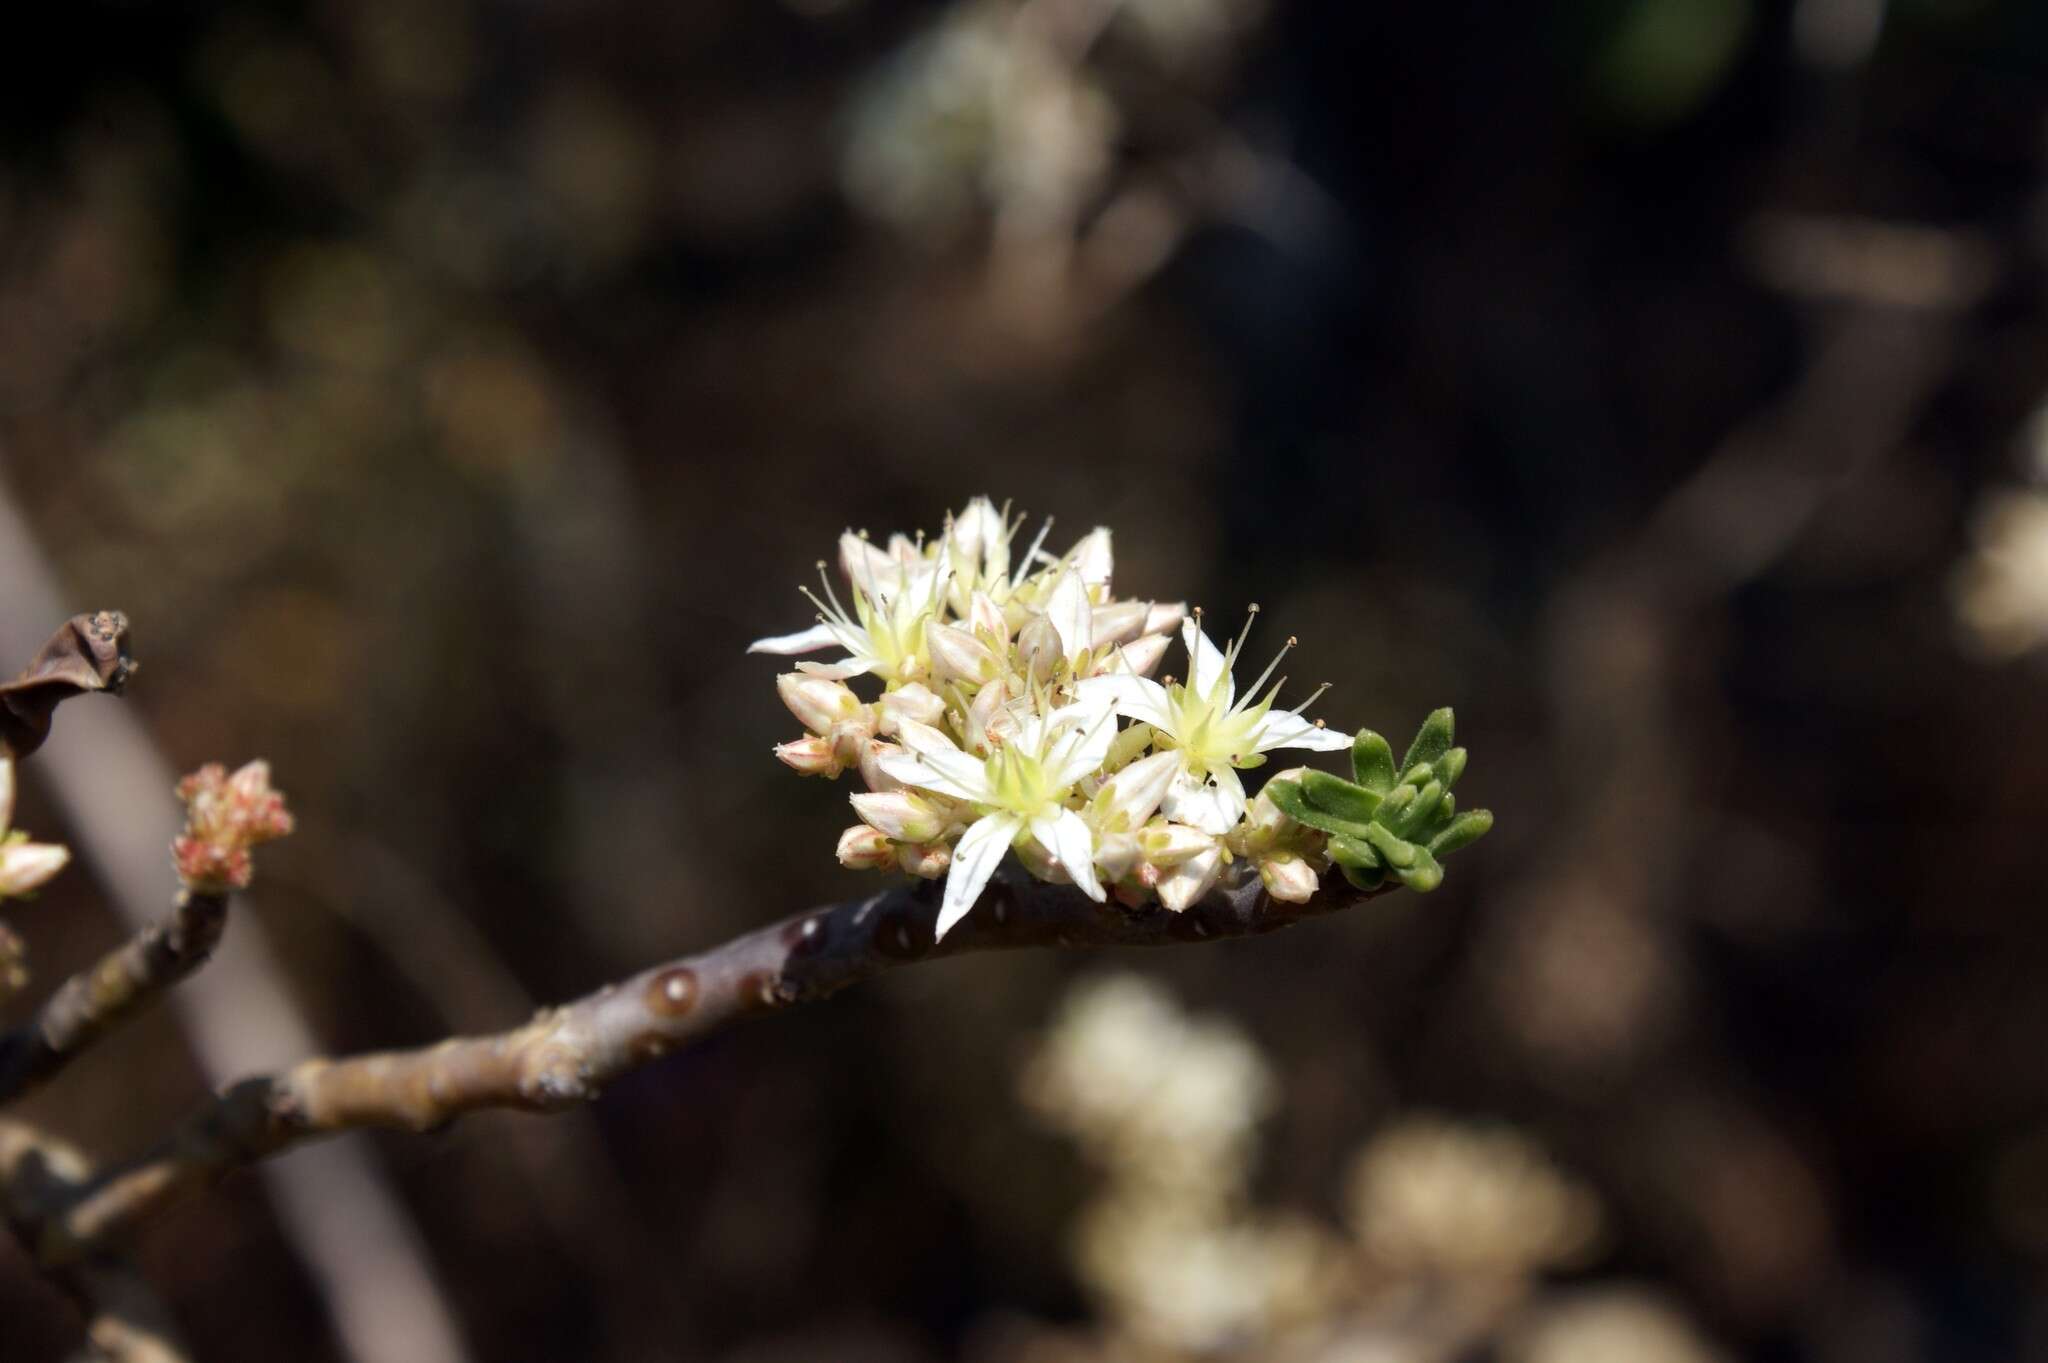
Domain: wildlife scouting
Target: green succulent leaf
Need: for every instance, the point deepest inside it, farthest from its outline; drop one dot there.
(1372, 762)
(1390, 823)
(1296, 806)
(1353, 852)
(1467, 828)
(1365, 880)
(1432, 741)
(1335, 795)
(1398, 854)
(1425, 875)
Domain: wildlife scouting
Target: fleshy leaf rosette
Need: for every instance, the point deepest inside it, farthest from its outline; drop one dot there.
(1388, 821)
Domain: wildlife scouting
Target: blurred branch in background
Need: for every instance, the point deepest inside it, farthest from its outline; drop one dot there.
(341, 1218)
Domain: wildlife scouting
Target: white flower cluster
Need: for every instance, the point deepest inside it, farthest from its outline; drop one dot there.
(1168, 1104)
(1004, 676)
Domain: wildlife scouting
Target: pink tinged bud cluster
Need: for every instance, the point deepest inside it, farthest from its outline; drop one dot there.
(225, 817)
(1003, 670)
(24, 866)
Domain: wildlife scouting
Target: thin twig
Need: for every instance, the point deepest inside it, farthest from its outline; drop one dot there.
(125, 1321)
(567, 1055)
(337, 1209)
(121, 984)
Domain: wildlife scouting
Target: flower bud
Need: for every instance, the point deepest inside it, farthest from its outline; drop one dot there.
(1117, 854)
(816, 702)
(1287, 877)
(1093, 560)
(1038, 643)
(1119, 622)
(810, 755)
(958, 655)
(927, 862)
(1165, 616)
(914, 701)
(989, 721)
(1139, 657)
(1169, 844)
(985, 620)
(1190, 880)
(26, 865)
(902, 814)
(850, 737)
(871, 771)
(862, 848)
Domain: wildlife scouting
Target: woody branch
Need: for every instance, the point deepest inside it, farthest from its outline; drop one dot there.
(568, 1054)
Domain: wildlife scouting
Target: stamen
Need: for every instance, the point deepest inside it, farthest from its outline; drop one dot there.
(1237, 645)
(1311, 701)
(1031, 554)
(1253, 690)
(830, 594)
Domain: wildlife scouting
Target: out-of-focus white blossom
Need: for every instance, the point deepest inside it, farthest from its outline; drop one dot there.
(1609, 1325)
(1143, 1086)
(2001, 589)
(1434, 1195)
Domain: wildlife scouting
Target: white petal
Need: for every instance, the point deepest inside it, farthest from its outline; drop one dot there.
(1205, 663)
(803, 641)
(955, 774)
(1072, 619)
(1085, 752)
(839, 671)
(1068, 839)
(1092, 557)
(1138, 698)
(1205, 805)
(1283, 730)
(864, 564)
(1135, 792)
(975, 858)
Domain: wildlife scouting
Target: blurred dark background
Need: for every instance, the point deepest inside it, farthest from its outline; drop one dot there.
(449, 391)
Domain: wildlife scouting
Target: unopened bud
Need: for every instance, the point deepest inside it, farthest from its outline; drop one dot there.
(1169, 844)
(850, 737)
(985, 619)
(1139, 657)
(914, 701)
(862, 848)
(1165, 616)
(871, 764)
(1288, 877)
(989, 721)
(927, 862)
(1038, 643)
(1117, 854)
(958, 655)
(1190, 880)
(817, 702)
(810, 755)
(1120, 621)
(902, 814)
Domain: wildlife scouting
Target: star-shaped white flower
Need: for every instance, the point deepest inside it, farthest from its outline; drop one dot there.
(1214, 731)
(884, 633)
(1021, 789)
